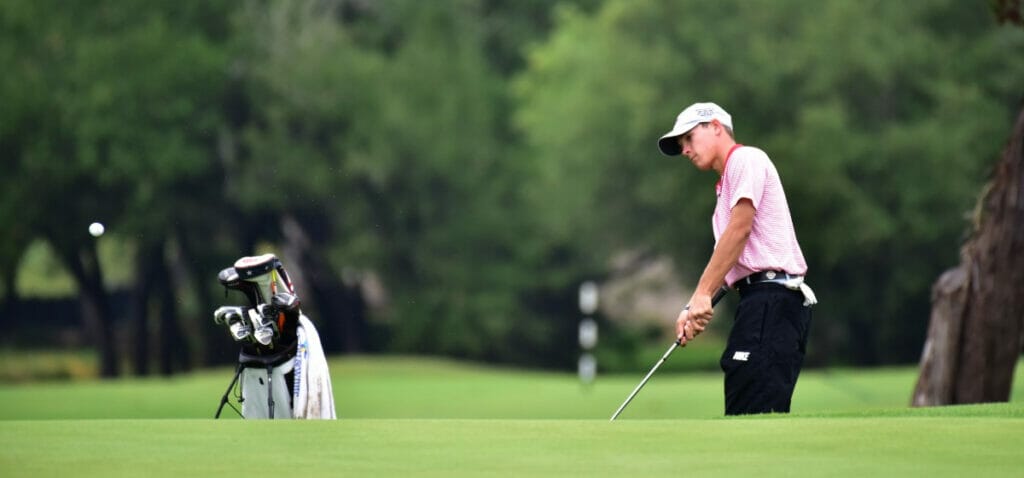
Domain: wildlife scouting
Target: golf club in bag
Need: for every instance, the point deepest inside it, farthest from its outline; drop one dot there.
(714, 300)
(281, 361)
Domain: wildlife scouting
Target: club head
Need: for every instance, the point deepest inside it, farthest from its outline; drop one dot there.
(264, 335)
(268, 313)
(228, 314)
(240, 331)
(218, 316)
(285, 301)
(264, 327)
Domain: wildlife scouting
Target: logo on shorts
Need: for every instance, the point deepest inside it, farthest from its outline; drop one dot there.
(741, 356)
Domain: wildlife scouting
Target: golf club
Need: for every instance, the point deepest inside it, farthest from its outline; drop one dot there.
(714, 300)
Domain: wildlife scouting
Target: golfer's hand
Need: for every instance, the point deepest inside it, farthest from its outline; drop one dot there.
(681, 322)
(687, 328)
(694, 318)
(700, 308)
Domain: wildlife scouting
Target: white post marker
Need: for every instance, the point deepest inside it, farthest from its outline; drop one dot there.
(587, 366)
(588, 333)
(588, 297)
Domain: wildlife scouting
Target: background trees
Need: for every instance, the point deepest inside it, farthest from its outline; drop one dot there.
(865, 118)
(478, 159)
(115, 121)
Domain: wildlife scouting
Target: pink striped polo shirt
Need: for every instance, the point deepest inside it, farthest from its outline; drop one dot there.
(772, 245)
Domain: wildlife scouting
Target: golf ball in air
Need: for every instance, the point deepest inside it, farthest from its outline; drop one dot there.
(96, 229)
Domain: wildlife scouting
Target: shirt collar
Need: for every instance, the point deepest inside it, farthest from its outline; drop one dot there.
(718, 185)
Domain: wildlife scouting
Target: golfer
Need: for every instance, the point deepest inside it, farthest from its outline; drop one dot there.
(757, 253)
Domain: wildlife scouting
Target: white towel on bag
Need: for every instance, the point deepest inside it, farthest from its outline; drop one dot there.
(312, 396)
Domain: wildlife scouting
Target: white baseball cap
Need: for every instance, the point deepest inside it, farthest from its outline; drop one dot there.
(693, 115)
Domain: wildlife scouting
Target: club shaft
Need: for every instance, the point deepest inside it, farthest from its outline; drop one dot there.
(644, 381)
(714, 300)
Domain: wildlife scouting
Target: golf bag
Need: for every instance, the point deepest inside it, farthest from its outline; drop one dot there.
(282, 371)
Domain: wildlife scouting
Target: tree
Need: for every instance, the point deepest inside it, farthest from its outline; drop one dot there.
(115, 105)
(976, 333)
(377, 143)
(859, 105)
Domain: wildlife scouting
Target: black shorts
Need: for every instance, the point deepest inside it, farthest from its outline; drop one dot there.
(766, 349)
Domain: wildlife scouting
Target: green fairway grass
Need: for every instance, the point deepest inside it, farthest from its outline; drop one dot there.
(947, 445)
(390, 387)
(429, 417)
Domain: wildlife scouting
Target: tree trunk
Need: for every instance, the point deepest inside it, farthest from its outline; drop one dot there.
(145, 271)
(195, 265)
(341, 307)
(172, 348)
(170, 343)
(96, 312)
(977, 322)
(9, 302)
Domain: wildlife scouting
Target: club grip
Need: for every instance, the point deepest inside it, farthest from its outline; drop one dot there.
(715, 298)
(718, 295)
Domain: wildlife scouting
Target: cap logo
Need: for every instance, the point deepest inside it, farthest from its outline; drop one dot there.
(705, 112)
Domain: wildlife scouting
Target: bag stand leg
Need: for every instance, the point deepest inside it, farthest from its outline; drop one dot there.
(224, 399)
(270, 390)
(246, 360)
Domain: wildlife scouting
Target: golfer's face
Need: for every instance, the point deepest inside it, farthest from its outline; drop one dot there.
(695, 144)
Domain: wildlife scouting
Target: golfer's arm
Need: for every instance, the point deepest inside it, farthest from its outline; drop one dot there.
(729, 248)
